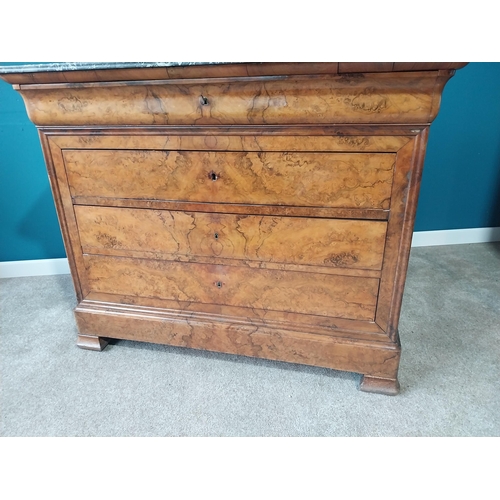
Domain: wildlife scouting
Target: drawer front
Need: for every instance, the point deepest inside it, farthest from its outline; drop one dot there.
(294, 240)
(264, 289)
(367, 98)
(352, 180)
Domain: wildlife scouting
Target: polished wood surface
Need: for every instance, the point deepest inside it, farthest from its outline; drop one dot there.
(258, 318)
(353, 139)
(293, 240)
(264, 209)
(225, 70)
(91, 342)
(405, 97)
(388, 386)
(308, 293)
(377, 359)
(297, 179)
(408, 173)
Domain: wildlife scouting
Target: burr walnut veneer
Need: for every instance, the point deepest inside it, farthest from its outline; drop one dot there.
(256, 209)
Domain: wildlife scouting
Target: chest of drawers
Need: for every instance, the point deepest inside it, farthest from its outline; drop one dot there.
(263, 210)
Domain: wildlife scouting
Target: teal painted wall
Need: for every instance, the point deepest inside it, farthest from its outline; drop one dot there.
(461, 180)
(28, 220)
(460, 186)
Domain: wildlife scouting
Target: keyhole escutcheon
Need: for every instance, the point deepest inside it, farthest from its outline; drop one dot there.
(216, 236)
(213, 176)
(218, 284)
(204, 101)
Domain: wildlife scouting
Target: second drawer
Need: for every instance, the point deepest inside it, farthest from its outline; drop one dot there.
(340, 243)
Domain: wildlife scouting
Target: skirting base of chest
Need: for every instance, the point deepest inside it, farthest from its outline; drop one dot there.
(378, 361)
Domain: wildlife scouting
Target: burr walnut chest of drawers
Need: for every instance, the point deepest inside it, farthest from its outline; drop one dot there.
(263, 209)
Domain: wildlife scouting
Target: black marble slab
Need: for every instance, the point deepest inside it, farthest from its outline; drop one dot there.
(88, 66)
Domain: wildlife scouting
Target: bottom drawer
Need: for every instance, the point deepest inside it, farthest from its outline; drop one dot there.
(288, 291)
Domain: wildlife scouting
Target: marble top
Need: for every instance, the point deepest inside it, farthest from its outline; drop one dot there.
(88, 66)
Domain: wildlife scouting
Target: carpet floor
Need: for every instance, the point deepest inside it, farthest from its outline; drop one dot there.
(449, 372)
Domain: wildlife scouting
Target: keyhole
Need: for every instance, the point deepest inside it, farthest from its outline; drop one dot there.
(204, 101)
(216, 236)
(213, 176)
(218, 284)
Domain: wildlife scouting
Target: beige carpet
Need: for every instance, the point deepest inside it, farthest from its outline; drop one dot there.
(449, 374)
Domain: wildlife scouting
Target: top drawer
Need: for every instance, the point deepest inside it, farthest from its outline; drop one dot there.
(283, 100)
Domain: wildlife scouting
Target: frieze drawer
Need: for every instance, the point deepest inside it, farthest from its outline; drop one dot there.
(273, 100)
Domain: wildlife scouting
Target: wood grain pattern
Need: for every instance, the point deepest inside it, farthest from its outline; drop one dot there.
(264, 209)
(308, 293)
(297, 179)
(293, 240)
(400, 231)
(58, 192)
(258, 318)
(319, 99)
(252, 264)
(64, 207)
(376, 359)
(215, 140)
(237, 208)
(404, 197)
